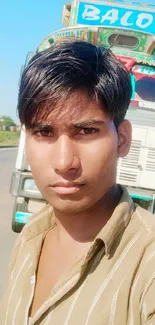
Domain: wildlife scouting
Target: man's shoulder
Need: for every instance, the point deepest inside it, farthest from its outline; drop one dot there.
(145, 218)
(39, 223)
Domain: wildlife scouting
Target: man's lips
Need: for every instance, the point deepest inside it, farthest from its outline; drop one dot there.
(66, 187)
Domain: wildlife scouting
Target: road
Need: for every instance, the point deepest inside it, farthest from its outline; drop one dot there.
(7, 237)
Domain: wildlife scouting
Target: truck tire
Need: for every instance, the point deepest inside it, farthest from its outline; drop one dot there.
(18, 206)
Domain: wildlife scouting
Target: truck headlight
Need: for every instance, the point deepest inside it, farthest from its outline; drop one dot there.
(30, 186)
(23, 185)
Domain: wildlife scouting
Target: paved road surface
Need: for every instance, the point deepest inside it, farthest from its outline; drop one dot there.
(7, 237)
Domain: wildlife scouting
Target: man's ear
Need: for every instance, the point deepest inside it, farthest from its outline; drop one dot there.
(124, 138)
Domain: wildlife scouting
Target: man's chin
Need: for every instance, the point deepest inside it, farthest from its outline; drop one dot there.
(69, 207)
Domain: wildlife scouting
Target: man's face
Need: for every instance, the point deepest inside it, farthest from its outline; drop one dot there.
(73, 154)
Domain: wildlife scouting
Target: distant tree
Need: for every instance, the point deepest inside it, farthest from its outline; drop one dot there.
(7, 121)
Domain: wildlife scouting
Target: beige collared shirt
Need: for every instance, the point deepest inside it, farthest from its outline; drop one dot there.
(113, 285)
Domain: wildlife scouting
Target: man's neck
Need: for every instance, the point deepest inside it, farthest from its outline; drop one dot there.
(84, 227)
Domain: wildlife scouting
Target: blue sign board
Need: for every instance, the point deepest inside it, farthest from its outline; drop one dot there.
(116, 16)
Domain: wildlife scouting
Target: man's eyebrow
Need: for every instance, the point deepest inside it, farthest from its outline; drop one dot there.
(40, 126)
(86, 123)
(79, 124)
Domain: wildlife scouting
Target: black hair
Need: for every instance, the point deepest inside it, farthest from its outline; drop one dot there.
(69, 66)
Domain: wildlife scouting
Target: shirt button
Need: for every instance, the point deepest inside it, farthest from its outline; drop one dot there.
(32, 280)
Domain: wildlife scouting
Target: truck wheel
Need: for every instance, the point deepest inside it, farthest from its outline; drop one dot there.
(20, 204)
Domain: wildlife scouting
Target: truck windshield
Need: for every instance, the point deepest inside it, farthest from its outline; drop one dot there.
(145, 88)
(143, 81)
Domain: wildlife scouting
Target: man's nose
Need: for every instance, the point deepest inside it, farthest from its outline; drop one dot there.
(65, 157)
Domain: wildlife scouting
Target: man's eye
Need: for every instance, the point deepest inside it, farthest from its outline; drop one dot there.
(43, 134)
(88, 131)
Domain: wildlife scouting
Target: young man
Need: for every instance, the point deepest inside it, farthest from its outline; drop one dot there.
(88, 258)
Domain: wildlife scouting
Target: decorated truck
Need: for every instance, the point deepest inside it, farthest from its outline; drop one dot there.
(128, 28)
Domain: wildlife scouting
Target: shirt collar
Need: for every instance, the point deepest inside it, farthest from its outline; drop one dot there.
(45, 219)
(118, 221)
(39, 223)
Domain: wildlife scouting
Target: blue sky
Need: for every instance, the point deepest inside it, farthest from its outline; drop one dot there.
(23, 25)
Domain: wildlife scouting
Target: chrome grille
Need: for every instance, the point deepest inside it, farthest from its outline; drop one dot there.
(150, 162)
